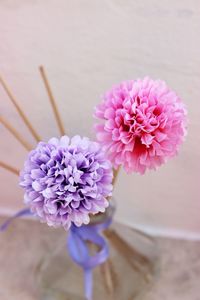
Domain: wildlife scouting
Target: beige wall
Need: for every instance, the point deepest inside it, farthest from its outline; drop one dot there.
(86, 47)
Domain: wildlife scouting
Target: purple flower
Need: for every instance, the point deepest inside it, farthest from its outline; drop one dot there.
(65, 180)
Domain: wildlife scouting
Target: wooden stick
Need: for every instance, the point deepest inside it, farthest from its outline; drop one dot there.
(106, 269)
(19, 110)
(52, 101)
(115, 175)
(136, 260)
(15, 133)
(9, 168)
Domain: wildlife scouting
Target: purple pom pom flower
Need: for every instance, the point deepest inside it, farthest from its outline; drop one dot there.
(65, 180)
(143, 123)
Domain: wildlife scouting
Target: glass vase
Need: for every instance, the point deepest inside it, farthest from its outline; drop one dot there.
(126, 274)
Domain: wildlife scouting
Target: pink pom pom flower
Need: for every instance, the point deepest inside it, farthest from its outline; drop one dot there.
(143, 123)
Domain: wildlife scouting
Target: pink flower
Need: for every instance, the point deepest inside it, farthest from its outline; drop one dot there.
(143, 123)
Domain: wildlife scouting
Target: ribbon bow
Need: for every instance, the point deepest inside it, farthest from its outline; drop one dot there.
(80, 254)
(78, 248)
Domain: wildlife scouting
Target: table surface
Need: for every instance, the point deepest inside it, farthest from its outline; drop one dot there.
(25, 241)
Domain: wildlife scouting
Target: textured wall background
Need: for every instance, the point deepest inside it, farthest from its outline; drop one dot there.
(87, 46)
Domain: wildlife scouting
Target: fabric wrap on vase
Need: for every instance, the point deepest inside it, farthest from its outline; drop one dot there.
(80, 252)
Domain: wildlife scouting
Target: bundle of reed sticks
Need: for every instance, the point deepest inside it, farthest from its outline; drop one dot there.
(27, 122)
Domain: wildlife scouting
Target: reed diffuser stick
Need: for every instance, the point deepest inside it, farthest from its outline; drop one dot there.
(107, 272)
(19, 110)
(15, 133)
(9, 168)
(52, 101)
(115, 175)
(106, 268)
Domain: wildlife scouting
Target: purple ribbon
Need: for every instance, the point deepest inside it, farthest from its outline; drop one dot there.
(21, 213)
(79, 251)
(78, 248)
